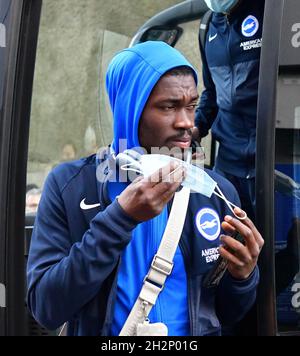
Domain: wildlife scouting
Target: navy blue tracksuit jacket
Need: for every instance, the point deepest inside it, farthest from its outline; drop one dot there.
(75, 255)
(229, 102)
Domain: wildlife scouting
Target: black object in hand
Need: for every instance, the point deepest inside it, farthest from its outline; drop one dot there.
(214, 276)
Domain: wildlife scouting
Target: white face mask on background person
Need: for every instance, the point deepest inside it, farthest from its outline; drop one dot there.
(223, 6)
(196, 178)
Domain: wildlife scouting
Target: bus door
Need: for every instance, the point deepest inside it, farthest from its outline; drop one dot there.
(19, 22)
(278, 170)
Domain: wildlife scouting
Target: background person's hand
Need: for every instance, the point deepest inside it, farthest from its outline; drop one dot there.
(198, 151)
(195, 134)
(145, 198)
(242, 258)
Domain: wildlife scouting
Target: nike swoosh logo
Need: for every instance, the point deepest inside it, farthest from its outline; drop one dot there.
(211, 38)
(85, 206)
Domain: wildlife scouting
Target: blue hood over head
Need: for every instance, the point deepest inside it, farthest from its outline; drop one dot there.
(130, 79)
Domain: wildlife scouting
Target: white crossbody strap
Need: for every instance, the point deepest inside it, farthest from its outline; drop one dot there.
(161, 266)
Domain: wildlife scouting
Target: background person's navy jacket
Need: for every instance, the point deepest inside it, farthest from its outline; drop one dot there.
(75, 254)
(229, 102)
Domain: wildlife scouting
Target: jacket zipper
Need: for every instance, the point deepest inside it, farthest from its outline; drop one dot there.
(233, 76)
(229, 57)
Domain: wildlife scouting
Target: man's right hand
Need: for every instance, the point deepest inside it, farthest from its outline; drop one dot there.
(145, 198)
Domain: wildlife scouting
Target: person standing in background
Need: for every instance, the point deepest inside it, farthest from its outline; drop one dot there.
(228, 105)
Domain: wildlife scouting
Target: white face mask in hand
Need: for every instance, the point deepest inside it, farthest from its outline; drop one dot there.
(196, 178)
(223, 6)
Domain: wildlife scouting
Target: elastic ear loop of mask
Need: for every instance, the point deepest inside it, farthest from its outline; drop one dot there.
(128, 167)
(230, 205)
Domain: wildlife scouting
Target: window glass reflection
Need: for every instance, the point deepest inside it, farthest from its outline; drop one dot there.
(287, 206)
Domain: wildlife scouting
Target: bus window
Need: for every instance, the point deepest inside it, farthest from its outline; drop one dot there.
(70, 111)
(287, 203)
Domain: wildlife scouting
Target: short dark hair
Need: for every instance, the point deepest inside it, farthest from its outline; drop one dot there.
(30, 187)
(182, 70)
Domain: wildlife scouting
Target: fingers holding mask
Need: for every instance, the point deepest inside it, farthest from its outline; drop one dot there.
(168, 179)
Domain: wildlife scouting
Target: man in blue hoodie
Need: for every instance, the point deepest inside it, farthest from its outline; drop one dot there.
(228, 106)
(94, 238)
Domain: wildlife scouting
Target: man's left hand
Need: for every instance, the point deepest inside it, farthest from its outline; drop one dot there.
(242, 259)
